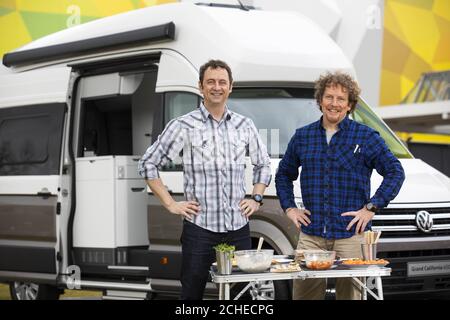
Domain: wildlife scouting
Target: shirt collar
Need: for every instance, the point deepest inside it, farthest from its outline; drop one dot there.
(341, 125)
(205, 113)
(344, 123)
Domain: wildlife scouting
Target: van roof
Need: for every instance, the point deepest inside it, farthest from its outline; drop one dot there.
(277, 46)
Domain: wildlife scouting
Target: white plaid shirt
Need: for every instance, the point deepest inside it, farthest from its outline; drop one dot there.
(214, 163)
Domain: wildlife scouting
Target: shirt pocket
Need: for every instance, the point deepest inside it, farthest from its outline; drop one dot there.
(238, 146)
(202, 146)
(350, 157)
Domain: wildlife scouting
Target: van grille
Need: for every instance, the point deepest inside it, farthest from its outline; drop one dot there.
(399, 284)
(401, 223)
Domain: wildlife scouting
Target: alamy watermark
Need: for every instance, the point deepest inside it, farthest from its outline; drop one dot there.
(73, 273)
(373, 17)
(75, 16)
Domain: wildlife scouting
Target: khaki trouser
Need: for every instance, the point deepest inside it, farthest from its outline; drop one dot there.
(314, 289)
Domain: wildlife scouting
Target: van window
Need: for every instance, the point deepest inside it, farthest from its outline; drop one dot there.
(269, 107)
(178, 104)
(30, 139)
(266, 107)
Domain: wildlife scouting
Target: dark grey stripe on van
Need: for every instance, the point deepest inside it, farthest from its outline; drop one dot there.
(28, 218)
(28, 259)
(59, 51)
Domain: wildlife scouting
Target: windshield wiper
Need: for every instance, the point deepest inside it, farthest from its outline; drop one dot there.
(242, 6)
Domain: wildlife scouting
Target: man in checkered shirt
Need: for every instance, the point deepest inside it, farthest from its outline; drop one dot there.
(213, 141)
(337, 156)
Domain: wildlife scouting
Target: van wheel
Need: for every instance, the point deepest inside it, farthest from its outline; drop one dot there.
(270, 290)
(32, 291)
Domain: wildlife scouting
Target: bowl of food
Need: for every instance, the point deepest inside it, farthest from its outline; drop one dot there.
(253, 261)
(318, 259)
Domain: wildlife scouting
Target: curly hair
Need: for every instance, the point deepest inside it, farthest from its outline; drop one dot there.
(337, 78)
(214, 64)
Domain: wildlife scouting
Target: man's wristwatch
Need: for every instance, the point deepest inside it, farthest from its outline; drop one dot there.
(258, 198)
(371, 207)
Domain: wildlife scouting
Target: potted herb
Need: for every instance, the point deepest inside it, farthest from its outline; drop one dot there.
(224, 256)
(224, 247)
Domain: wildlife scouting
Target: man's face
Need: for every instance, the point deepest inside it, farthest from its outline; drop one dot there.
(216, 86)
(335, 104)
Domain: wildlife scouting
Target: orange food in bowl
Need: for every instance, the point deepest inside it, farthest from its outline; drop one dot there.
(319, 265)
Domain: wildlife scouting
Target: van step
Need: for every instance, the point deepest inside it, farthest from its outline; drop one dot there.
(124, 295)
(125, 286)
(132, 268)
(129, 270)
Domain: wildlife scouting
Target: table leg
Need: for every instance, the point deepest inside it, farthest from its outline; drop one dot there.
(243, 291)
(379, 288)
(227, 291)
(364, 289)
(221, 289)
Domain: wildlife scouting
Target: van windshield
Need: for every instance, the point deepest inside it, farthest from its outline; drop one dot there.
(363, 114)
(278, 112)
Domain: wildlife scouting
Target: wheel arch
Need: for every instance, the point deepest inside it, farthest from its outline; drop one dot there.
(272, 236)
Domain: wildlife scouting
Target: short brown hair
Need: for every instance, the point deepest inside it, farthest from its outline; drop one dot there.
(337, 78)
(214, 64)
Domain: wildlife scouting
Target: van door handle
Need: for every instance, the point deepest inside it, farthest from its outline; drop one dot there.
(44, 193)
(137, 189)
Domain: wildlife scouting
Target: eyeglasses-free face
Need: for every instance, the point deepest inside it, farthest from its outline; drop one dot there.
(334, 105)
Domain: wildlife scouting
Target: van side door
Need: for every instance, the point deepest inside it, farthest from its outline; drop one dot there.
(32, 119)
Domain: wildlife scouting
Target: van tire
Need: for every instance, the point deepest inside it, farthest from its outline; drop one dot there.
(32, 291)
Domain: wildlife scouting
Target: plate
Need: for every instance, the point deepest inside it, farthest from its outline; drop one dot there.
(285, 268)
(282, 260)
(364, 266)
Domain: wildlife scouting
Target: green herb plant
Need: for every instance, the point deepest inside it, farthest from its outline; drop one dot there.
(223, 247)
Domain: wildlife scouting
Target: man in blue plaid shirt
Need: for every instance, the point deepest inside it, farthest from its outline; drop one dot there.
(337, 156)
(214, 141)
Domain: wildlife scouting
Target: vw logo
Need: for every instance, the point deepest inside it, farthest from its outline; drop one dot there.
(424, 221)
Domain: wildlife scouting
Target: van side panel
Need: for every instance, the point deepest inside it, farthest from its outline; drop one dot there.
(28, 218)
(28, 233)
(33, 87)
(28, 259)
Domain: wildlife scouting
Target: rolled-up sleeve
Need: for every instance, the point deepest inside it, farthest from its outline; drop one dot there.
(259, 157)
(165, 149)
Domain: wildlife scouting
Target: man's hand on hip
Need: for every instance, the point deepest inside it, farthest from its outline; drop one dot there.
(299, 216)
(248, 207)
(184, 208)
(361, 217)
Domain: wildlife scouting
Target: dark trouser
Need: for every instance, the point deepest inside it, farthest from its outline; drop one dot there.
(198, 255)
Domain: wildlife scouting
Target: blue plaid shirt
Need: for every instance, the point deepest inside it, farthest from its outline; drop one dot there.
(335, 178)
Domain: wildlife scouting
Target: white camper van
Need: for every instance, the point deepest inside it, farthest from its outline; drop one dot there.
(78, 108)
